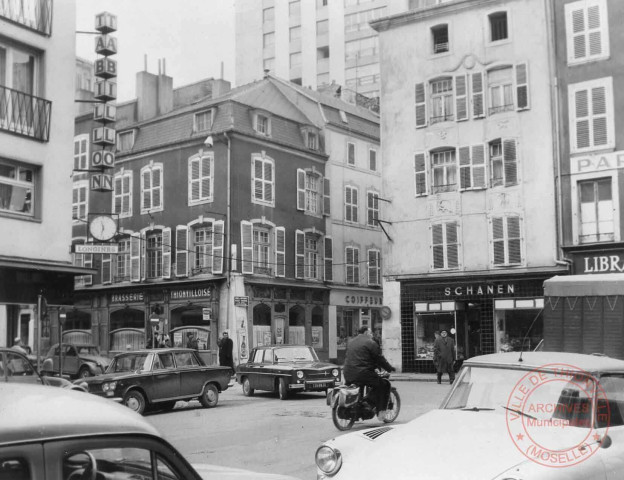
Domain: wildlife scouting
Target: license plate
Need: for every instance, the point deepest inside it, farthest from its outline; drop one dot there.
(320, 384)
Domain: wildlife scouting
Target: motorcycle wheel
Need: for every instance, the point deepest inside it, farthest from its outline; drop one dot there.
(343, 418)
(394, 407)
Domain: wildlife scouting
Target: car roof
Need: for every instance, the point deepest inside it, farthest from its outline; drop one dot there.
(32, 413)
(157, 350)
(588, 363)
(259, 347)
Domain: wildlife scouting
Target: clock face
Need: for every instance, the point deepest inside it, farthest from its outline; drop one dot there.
(103, 227)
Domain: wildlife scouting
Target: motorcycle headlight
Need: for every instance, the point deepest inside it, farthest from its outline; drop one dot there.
(299, 374)
(335, 372)
(328, 460)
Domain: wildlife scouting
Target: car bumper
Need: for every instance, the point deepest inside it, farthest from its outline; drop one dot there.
(314, 385)
(109, 397)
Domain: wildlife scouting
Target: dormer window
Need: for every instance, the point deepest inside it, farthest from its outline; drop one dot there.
(262, 124)
(125, 141)
(343, 117)
(202, 121)
(312, 141)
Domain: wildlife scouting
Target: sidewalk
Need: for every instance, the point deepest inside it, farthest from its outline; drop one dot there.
(416, 377)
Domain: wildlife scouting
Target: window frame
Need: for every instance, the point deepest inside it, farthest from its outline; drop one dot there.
(506, 240)
(351, 206)
(80, 185)
(605, 46)
(437, 30)
(372, 211)
(351, 154)
(121, 175)
(121, 136)
(449, 169)
(207, 117)
(204, 248)
(373, 271)
(122, 257)
(372, 159)
(152, 168)
(203, 181)
(31, 187)
(266, 184)
(490, 20)
(262, 124)
(352, 265)
(81, 159)
(444, 100)
(609, 116)
(445, 245)
(595, 179)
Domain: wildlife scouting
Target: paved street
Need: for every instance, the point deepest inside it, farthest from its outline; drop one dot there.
(265, 434)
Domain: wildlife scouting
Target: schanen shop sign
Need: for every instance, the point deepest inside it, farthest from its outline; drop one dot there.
(480, 289)
(612, 262)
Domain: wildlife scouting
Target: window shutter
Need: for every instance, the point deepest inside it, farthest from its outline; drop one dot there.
(247, 247)
(461, 97)
(117, 196)
(595, 35)
(166, 253)
(354, 208)
(349, 264)
(146, 188)
(329, 258)
(326, 197)
(510, 162)
(126, 204)
(465, 177)
(182, 248)
(206, 176)
(106, 268)
(578, 33)
(301, 176)
(280, 252)
(478, 166)
(217, 246)
(581, 118)
(348, 213)
(437, 242)
(599, 118)
(256, 179)
(478, 107)
(193, 180)
(157, 183)
(135, 257)
(420, 172)
(514, 240)
(522, 86)
(373, 267)
(88, 263)
(498, 241)
(452, 246)
(356, 265)
(268, 177)
(299, 254)
(421, 105)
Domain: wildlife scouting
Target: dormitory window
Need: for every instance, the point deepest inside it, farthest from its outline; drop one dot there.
(263, 125)
(125, 141)
(596, 211)
(498, 26)
(440, 39)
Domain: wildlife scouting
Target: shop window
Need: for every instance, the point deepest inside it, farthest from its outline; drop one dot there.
(346, 327)
(518, 330)
(597, 219)
(424, 332)
(77, 328)
(127, 330)
(189, 320)
(317, 327)
(262, 325)
(296, 326)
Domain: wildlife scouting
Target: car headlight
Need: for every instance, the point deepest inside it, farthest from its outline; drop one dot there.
(335, 372)
(299, 374)
(109, 386)
(328, 460)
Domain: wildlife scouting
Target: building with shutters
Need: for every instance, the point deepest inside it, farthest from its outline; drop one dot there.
(223, 204)
(36, 99)
(584, 311)
(469, 166)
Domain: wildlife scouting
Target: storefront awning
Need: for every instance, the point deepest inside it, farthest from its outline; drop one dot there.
(44, 265)
(585, 285)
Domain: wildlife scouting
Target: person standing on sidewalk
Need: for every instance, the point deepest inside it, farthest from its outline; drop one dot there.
(226, 346)
(444, 352)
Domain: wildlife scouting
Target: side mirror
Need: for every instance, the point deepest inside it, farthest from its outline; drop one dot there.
(605, 442)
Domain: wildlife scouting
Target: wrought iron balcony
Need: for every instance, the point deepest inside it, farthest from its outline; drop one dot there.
(24, 114)
(33, 14)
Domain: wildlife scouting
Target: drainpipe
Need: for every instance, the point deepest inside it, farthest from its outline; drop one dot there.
(228, 231)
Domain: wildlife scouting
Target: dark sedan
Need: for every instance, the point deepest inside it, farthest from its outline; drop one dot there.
(286, 369)
(158, 378)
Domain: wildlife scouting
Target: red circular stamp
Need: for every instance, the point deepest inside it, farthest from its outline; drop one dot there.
(557, 415)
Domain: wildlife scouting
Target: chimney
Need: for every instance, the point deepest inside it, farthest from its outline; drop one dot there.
(220, 87)
(165, 90)
(154, 92)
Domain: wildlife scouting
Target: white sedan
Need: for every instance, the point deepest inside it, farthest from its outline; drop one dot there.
(542, 415)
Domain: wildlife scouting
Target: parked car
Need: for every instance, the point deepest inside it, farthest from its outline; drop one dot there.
(60, 434)
(79, 361)
(286, 369)
(16, 368)
(542, 415)
(158, 378)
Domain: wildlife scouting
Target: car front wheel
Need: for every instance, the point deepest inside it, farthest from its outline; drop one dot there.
(135, 400)
(282, 388)
(84, 372)
(247, 390)
(209, 397)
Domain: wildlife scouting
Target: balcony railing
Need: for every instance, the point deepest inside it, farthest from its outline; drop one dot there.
(501, 108)
(33, 14)
(24, 114)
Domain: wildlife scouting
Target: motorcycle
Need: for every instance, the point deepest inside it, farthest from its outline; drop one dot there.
(350, 403)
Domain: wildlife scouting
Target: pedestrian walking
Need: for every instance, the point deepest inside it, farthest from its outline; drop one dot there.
(444, 352)
(226, 346)
(436, 360)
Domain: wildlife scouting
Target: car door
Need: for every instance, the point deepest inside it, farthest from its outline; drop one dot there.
(267, 378)
(611, 396)
(19, 370)
(166, 377)
(192, 374)
(23, 462)
(71, 361)
(252, 368)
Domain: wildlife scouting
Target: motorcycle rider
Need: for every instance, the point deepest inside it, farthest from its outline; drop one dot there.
(363, 357)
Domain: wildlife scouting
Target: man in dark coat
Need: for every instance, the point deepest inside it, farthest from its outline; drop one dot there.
(363, 357)
(226, 346)
(191, 341)
(444, 352)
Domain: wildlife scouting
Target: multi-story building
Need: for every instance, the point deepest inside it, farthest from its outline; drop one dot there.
(469, 168)
(36, 98)
(311, 43)
(222, 207)
(588, 67)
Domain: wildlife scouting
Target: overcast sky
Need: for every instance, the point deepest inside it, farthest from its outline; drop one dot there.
(193, 36)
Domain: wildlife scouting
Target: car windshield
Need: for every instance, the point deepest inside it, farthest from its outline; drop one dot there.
(299, 354)
(129, 362)
(87, 350)
(541, 395)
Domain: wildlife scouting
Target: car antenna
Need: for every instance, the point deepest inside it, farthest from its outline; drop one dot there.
(527, 333)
